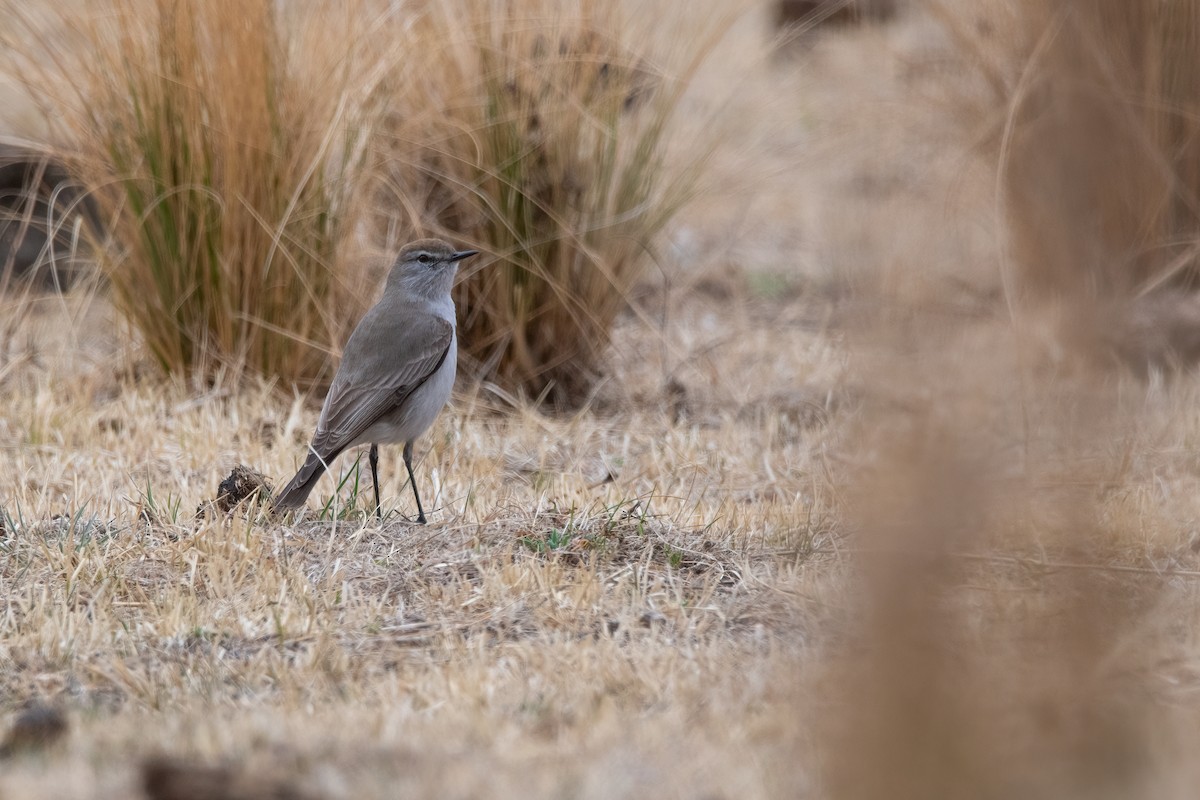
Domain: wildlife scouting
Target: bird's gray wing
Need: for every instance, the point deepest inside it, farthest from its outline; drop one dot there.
(376, 375)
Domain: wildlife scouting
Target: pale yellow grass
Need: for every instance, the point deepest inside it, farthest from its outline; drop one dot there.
(653, 650)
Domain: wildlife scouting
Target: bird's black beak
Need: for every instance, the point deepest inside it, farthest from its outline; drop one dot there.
(461, 254)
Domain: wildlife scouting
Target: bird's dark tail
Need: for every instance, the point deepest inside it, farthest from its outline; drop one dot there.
(301, 486)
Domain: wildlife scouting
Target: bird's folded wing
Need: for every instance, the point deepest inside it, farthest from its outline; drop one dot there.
(377, 377)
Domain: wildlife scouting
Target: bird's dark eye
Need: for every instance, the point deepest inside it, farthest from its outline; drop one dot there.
(425, 258)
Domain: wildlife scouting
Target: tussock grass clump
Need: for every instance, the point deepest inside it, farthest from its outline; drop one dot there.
(1098, 149)
(229, 145)
(538, 132)
(226, 139)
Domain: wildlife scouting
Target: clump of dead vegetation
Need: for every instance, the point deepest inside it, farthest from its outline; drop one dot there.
(1090, 113)
(228, 169)
(538, 132)
(248, 161)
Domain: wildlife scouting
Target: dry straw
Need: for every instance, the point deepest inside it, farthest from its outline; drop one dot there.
(1094, 113)
(537, 132)
(232, 144)
(227, 142)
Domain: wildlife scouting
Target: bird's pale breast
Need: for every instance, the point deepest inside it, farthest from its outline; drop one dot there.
(415, 416)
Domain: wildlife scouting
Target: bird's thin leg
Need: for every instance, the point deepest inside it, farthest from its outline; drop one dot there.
(373, 458)
(413, 480)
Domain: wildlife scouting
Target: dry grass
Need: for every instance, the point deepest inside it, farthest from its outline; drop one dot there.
(537, 132)
(1091, 113)
(235, 150)
(549, 621)
(837, 527)
(226, 143)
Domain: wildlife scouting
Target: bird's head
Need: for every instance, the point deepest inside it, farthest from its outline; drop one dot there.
(427, 267)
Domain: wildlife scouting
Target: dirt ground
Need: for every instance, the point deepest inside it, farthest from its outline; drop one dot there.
(695, 588)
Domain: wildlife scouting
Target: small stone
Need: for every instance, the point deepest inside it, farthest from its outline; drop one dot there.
(37, 726)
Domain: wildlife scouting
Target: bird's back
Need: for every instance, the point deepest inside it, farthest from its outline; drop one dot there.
(398, 347)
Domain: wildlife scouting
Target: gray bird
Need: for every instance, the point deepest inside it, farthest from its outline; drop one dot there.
(396, 373)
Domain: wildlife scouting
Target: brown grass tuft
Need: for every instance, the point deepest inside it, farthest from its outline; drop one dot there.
(1093, 110)
(225, 142)
(538, 132)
